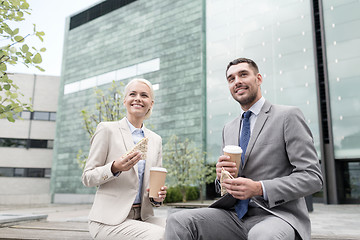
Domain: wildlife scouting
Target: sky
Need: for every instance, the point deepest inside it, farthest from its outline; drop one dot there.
(49, 16)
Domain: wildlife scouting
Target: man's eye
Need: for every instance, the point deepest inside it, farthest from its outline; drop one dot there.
(132, 94)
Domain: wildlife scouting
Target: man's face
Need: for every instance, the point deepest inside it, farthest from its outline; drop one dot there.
(244, 84)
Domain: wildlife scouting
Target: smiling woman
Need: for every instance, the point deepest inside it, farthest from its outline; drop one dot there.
(122, 175)
(139, 99)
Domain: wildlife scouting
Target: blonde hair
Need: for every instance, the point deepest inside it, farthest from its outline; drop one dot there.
(141, 80)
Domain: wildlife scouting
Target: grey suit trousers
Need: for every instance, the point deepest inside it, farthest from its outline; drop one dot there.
(217, 224)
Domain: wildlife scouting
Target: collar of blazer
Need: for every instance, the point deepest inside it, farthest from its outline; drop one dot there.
(259, 124)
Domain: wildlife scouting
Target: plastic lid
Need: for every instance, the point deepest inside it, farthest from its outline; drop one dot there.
(232, 149)
(159, 169)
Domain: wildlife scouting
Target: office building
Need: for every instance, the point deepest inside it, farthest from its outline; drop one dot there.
(26, 146)
(306, 50)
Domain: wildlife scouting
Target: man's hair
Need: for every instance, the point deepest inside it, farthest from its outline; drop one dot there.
(243, 60)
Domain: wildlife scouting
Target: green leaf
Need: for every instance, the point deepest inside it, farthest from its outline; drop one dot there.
(25, 48)
(24, 5)
(41, 69)
(8, 30)
(40, 34)
(7, 87)
(42, 49)
(14, 95)
(18, 109)
(19, 38)
(10, 118)
(3, 67)
(37, 58)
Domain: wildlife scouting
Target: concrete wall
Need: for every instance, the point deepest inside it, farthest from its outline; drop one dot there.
(138, 32)
(29, 190)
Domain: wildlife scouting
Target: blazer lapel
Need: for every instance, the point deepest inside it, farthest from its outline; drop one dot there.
(260, 122)
(127, 138)
(147, 134)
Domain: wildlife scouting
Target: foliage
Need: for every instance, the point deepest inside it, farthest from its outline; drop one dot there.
(14, 50)
(109, 107)
(186, 166)
(174, 194)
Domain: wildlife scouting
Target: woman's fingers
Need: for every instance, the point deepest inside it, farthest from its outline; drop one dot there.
(125, 163)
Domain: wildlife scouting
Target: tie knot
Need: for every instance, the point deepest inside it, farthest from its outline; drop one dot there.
(247, 114)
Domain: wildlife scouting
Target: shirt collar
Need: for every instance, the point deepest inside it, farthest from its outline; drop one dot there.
(132, 128)
(256, 108)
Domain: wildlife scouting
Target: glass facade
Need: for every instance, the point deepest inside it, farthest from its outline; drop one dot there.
(277, 35)
(165, 41)
(341, 23)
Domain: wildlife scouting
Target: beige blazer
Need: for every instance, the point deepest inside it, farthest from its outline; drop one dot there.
(116, 194)
(281, 153)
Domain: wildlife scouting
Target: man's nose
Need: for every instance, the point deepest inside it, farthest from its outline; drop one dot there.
(237, 80)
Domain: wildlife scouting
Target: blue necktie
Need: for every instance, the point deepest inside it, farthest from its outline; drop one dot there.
(241, 206)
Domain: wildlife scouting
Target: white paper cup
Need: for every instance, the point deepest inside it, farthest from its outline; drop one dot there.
(157, 180)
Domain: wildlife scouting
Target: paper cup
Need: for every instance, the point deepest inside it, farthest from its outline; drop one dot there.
(234, 152)
(157, 180)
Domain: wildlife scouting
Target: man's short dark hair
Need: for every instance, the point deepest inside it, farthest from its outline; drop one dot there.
(243, 60)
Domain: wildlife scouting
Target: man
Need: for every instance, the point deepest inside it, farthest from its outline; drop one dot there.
(280, 167)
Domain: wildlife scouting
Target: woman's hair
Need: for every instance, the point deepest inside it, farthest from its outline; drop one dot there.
(142, 80)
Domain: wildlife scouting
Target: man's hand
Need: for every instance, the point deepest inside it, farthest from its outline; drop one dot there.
(243, 188)
(224, 162)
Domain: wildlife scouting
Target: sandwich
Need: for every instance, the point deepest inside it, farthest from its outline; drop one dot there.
(224, 175)
(141, 147)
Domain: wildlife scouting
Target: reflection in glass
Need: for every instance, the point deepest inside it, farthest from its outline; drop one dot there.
(280, 42)
(341, 20)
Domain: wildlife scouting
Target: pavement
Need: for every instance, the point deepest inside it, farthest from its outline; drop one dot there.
(54, 221)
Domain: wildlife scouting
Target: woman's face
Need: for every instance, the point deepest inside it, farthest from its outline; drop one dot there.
(138, 100)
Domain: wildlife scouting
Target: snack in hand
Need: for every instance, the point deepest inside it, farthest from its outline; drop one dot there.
(224, 175)
(141, 146)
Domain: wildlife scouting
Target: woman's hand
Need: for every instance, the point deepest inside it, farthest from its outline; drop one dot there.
(162, 194)
(125, 163)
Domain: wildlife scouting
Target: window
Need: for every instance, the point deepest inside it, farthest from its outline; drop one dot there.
(26, 143)
(10, 142)
(38, 143)
(40, 116)
(52, 116)
(26, 115)
(25, 172)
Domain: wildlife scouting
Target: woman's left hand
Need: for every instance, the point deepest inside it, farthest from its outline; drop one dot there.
(162, 194)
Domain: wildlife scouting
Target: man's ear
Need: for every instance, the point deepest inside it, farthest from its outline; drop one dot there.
(259, 78)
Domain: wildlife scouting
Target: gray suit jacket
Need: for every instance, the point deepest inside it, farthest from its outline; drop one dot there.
(282, 155)
(116, 194)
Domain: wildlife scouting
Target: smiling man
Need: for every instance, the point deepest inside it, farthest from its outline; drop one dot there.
(279, 168)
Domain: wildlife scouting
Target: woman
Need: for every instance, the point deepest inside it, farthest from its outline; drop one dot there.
(122, 208)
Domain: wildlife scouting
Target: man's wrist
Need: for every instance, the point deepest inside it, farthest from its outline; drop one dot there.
(259, 189)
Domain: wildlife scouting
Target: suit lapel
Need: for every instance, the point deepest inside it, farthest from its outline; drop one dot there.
(127, 138)
(234, 139)
(259, 124)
